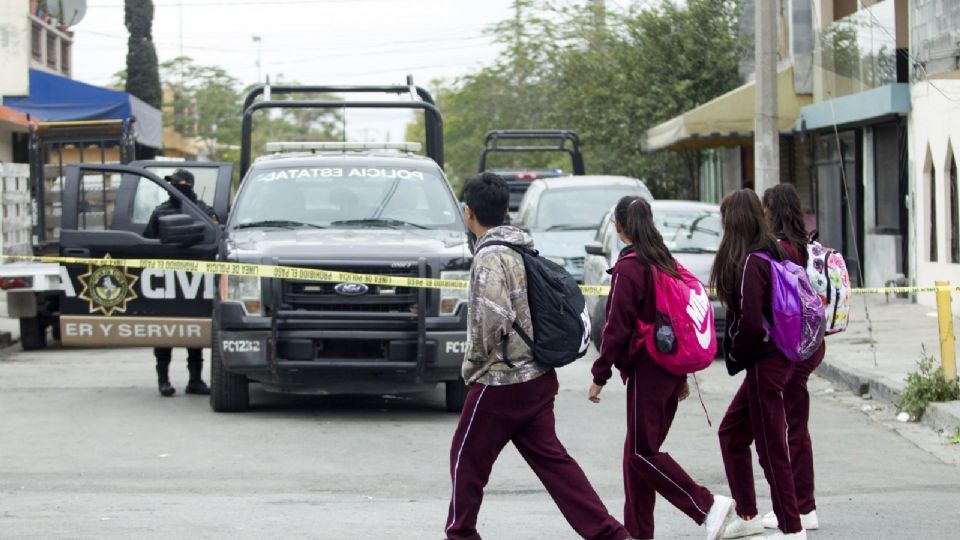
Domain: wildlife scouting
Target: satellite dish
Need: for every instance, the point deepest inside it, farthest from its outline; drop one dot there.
(68, 12)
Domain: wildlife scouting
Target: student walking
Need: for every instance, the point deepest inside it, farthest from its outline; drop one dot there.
(511, 395)
(784, 212)
(757, 411)
(653, 392)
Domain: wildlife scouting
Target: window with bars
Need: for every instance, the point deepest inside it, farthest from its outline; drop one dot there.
(52, 50)
(36, 42)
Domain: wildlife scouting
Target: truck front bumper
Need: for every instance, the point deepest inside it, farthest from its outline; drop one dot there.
(341, 355)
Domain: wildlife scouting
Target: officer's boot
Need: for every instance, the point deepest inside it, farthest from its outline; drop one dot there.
(195, 367)
(163, 381)
(163, 371)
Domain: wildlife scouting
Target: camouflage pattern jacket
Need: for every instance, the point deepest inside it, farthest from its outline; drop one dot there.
(498, 295)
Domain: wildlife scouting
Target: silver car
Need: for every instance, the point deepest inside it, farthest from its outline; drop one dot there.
(562, 213)
(690, 229)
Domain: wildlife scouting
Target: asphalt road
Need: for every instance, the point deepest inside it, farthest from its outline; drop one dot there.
(88, 449)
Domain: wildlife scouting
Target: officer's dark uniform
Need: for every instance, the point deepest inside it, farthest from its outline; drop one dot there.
(183, 181)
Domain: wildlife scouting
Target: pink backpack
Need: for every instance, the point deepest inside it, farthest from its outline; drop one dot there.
(683, 337)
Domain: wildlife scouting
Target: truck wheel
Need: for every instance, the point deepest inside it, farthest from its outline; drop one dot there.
(456, 395)
(33, 333)
(229, 392)
(55, 328)
(596, 327)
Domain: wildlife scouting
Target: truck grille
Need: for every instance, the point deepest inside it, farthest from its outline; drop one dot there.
(323, 297)
(577, 262)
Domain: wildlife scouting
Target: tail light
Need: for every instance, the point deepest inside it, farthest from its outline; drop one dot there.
(16, 283)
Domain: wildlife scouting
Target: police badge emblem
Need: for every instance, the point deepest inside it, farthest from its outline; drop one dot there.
(108, 289)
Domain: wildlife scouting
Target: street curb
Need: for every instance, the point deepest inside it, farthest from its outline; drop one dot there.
(941, 416)
(944, 416)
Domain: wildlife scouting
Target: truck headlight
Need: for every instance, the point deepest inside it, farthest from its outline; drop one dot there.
(451, 299)
(244, 290)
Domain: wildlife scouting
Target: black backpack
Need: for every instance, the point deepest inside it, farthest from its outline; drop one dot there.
(561, 322)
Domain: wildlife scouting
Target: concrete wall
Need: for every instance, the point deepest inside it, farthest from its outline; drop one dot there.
(934, 35)
(14, 48)
(934, 134)
(6, 143)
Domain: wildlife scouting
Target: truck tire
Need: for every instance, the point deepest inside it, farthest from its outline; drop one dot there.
(55, 328)
(229, 392)
(456, 394)
(33, 333)
(596, 327)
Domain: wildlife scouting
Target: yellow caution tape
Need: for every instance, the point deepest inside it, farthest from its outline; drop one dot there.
(311, 274)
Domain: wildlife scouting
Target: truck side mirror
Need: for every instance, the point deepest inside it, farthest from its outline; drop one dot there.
(180, 229)
(594, 248)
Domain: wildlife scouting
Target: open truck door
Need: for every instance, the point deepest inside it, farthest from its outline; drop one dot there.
(105, 211)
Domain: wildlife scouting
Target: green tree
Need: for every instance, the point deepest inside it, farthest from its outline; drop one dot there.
(610, 83)
(207, 101)
(142, 76)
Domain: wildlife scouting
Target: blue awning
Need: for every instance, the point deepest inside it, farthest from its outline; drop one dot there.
(861, 108)
(58, 99)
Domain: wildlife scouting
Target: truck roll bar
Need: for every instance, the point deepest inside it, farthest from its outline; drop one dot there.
(492, 143)
(420, 100)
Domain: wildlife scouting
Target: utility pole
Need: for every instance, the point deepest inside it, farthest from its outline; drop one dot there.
(766, 133)
(258, 40)
(599, 14)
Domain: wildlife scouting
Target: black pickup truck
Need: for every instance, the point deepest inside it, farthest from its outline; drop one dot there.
(529, 141)
(368, 208)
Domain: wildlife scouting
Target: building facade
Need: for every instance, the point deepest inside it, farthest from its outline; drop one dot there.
(934, 141)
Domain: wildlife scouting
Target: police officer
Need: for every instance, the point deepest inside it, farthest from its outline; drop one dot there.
(183, 181)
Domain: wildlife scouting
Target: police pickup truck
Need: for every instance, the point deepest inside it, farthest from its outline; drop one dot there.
(361, 208)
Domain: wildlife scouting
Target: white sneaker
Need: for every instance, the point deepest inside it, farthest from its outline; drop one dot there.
(809, 521)
(719, 516)
(741, 528)
(802, 535)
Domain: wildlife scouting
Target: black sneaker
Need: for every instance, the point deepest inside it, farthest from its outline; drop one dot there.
(198, 387)
(166, 389)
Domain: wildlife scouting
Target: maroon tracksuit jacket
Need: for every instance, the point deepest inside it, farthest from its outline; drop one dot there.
(759, 409)
(652, 397)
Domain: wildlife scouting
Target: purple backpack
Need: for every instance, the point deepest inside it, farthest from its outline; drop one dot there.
(798, 312)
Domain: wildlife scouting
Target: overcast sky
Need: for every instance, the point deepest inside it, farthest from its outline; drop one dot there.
(311, 41)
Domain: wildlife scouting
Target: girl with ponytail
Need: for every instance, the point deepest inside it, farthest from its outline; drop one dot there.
(784, 211)
(653, 393)
(757, 412)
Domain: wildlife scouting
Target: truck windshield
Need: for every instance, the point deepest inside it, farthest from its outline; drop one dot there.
(345, 197)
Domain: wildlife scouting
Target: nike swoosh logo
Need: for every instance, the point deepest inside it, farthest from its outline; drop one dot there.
(703, 336)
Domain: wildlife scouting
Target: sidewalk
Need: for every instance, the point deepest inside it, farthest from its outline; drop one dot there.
(900, 328)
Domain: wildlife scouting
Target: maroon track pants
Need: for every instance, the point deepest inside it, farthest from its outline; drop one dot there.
(796, 399)
(757, 412)
(522, 413)
(652, 397)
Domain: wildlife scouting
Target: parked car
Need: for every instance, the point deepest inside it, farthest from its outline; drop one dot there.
(690, 229)
(562, 213)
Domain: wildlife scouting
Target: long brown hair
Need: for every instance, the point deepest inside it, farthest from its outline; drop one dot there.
(745, 230)
(635, 218)
(785, 214)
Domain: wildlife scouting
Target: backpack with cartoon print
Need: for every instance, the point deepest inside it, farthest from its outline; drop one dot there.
(828, 275)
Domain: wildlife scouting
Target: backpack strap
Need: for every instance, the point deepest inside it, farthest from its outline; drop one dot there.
(519, 249)
(516, 326)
